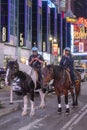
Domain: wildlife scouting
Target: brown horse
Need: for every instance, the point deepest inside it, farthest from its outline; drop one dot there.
(61, 84)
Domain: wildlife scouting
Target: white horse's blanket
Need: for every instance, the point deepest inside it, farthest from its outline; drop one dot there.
(30, 71)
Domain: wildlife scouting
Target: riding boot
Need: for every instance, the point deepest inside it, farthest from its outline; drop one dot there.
(75, 79)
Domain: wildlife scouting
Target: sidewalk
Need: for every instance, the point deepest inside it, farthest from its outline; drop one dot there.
(7, 108)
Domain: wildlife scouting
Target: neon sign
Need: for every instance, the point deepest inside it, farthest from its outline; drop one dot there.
(82, 21)
(81, 33)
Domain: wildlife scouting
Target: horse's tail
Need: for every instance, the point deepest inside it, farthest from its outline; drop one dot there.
(78, 88)
(78, 84)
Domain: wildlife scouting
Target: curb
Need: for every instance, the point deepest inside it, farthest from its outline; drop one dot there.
(8, 108)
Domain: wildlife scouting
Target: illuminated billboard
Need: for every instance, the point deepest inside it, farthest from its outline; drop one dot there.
(79, 36)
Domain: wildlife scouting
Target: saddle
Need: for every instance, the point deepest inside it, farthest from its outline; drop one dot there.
(68, 73)
(71, 82)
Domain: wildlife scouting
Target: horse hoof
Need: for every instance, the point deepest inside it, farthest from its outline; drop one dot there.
(67, 111)
(73, 105)
(24, 113)
(76, 105)
(32, 114)
(59, 110)
(42, 106)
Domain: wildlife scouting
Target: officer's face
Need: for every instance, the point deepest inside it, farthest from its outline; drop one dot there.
(67, 52)
(35, 53)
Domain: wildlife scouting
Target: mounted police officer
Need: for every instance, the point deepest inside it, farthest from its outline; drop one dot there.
(36, 61)
(67, 62)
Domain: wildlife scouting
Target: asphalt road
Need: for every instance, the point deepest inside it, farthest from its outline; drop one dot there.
(48, 118)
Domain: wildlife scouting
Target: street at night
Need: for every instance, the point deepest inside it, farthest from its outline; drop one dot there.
(43, 64)
(48, 118)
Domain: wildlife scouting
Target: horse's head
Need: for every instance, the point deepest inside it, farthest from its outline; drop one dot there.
(12, 68)
(47, 74)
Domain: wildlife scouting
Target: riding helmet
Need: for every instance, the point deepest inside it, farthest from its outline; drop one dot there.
(34, 49)
(67, 49)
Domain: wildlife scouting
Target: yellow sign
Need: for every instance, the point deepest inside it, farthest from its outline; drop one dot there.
(71, 20)
(81, 34)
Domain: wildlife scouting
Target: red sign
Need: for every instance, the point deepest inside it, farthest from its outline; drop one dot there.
(82, 21)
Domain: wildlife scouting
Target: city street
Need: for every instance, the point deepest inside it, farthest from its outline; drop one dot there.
(48, 118)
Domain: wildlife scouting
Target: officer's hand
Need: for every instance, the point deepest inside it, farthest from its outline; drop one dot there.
(36, 59)
(33, 59)
(68, 69)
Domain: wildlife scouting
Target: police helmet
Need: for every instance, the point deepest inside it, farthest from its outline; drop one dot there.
(67, 49)
(34, 49)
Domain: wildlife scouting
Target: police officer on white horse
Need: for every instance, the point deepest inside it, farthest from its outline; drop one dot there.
(36, 61)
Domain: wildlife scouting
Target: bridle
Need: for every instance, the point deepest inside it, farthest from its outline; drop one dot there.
(10, 73)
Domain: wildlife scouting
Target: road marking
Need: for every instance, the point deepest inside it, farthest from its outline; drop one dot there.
(4, 122)
(74, 118)
(76, 121)
(34, 123)
(36, 108)
(16, 101)
(8, 120)
(4, 98)
(36, 127)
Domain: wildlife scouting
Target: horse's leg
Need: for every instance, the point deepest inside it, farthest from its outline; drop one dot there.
(59, 104)
(77, 91)
(42, 96)
(32, 111)
(66, 102)
(59, 99)
(25, 98)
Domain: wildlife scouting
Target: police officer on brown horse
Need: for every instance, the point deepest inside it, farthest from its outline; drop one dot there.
(67, 62)
(36, 61)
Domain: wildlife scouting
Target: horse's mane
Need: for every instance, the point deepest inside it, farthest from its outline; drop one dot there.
(21, 75)
(57, 70)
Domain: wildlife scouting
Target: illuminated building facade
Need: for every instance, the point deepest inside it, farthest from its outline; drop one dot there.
(79, 8)
(27, 23)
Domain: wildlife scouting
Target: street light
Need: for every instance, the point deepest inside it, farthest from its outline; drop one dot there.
(55, 40)
(52, 40)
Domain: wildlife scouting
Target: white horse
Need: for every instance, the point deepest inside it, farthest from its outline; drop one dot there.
(33, 74)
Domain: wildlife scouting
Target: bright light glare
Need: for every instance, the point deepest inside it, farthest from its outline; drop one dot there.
(72, 38)
(50, 38)
(55, 40)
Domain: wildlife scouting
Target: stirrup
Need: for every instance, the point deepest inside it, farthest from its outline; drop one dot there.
(77, 81)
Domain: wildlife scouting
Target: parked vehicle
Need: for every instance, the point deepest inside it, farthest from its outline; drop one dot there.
(83, 72)
(2, 77)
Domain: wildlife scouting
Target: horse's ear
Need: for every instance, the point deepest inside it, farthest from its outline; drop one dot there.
(52, 65)
(16, 60)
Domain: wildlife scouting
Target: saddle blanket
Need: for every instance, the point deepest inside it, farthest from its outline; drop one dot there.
(30, 71)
